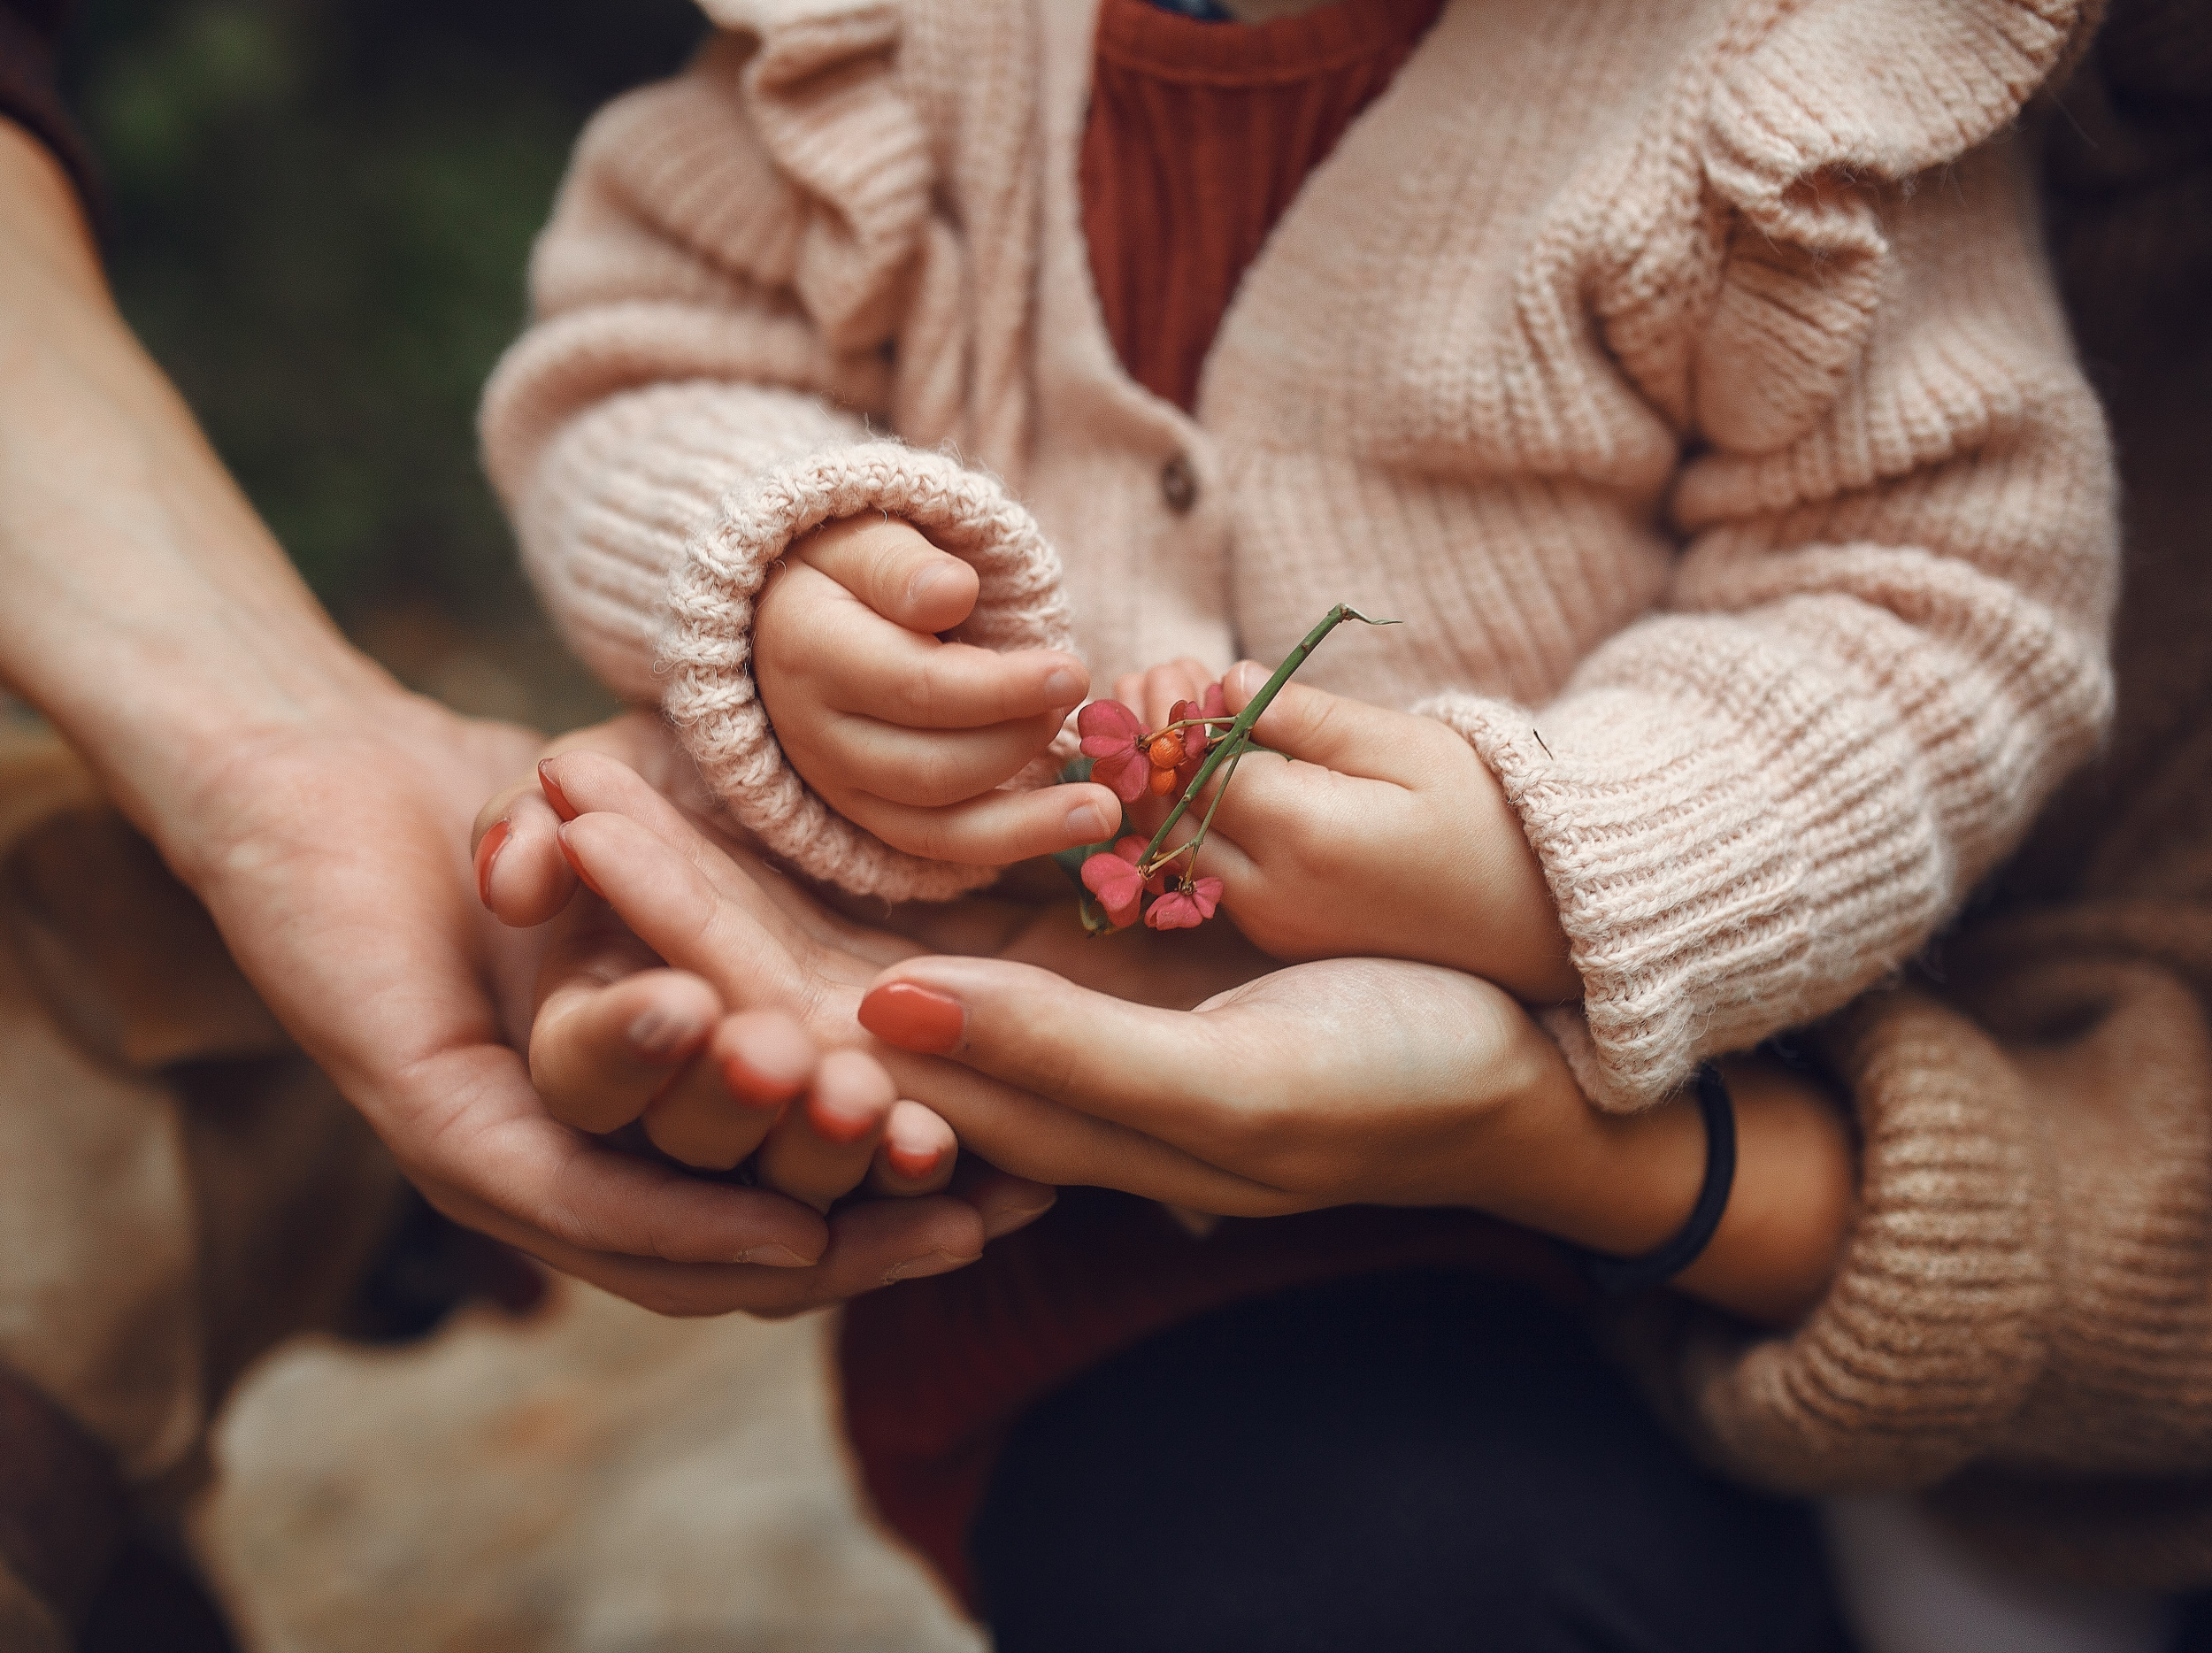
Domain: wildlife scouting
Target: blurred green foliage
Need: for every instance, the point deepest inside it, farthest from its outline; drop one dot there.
(319, 216)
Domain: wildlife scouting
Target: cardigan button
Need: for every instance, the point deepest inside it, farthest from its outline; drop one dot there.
(1178, 486)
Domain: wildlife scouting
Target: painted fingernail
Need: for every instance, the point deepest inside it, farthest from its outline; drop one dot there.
(921, 1267)
(839, 1125)
(657, 1036)
(568, 854)
(756, 1089)
(554, 795)
(1005, 1222)
(772, 1257)
(1062, 688)
(912, 1162)
(913, 1017)
(486, 852)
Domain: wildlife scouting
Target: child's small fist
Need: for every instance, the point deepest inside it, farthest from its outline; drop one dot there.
(903, 734)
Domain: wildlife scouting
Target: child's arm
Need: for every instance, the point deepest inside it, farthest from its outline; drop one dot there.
(721, 328)
(1884, 642)
(907, 737)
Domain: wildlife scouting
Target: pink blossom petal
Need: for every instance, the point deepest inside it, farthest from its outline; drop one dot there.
(1175, 911)
(1217, 703)
(1206, 892)
(1132, 850)
(1109, 722)
(1127, 772)
(1116, 884)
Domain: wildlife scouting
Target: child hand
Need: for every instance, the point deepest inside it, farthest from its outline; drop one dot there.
(1385, 834)
(905, 736)
(617, 1038)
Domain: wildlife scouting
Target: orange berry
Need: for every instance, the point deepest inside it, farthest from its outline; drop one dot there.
(1164, 750)
(1163, 782)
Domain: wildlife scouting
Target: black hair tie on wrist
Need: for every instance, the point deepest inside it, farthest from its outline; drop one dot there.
(1618, 1276)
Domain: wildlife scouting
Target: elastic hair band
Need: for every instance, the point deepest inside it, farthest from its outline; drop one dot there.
(1618, 1276)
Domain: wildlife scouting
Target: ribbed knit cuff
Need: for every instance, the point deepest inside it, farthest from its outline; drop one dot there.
(711, 696)
(1735, 853)
(1935, 1329)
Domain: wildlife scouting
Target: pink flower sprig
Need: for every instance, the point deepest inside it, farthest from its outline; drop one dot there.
(1133, 761)
(1184, 756)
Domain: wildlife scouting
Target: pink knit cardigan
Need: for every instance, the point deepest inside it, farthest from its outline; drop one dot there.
(1685, 371)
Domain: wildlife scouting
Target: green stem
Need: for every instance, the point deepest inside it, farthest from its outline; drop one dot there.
(1232, 744)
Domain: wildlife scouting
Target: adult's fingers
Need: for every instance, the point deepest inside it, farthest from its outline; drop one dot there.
(918, 1153)
(997, 828)
(677, 909)
(889, 564)
(600, 1051)
(820, 1153)
(1152, 694)
(1164, 1074)
(520, 876)
(590, 782)
(547, 1180)
(723, 1106)
(869, 1244)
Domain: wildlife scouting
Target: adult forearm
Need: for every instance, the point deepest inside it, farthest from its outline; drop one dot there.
(1624, 1185)
(148, 612)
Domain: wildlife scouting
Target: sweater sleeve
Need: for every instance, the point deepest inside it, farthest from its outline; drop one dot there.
(1883, 646)
(739, 289)
(2022, 1316)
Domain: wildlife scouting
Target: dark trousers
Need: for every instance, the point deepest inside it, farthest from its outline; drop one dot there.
(1406, 1463)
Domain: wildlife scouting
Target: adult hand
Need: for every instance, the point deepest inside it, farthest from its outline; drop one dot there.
(336, 863)
(1349, 1081)
(1355, 1081)
(319, 810)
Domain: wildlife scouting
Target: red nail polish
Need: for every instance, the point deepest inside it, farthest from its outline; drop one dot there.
(568, 854)
(843, 1130)
(909, 1164)
(913, 1017)
(486, 852)
(756, 1089)
(554, 795)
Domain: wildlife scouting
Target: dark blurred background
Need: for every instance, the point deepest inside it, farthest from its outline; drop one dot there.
(320, 215)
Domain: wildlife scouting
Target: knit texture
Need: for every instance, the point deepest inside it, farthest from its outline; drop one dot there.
(711, 699)
(2022, 1324)
(1700, 398)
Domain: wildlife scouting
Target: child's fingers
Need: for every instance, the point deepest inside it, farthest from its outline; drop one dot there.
(920, 683)
(819, 1153)
(1350, 736)
(1152, 694)
(725, 1104)
(997, 828)
(599, 1053)
(934, 768)
(522, 876)
(917, 1154)
(890, 566)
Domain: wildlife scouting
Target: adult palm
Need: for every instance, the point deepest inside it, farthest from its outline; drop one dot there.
(335, 861)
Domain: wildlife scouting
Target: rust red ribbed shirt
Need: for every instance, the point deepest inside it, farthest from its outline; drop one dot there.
(1199, 135)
